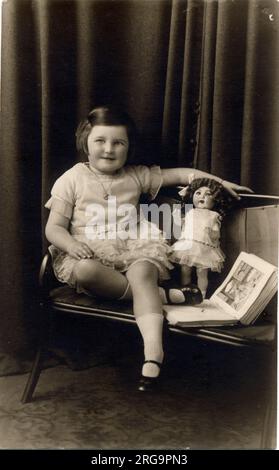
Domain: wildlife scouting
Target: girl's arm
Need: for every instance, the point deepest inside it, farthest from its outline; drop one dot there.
(58, 234)
(180, 176)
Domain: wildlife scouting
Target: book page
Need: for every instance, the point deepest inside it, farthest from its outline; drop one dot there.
(204, 313)
(243, 285)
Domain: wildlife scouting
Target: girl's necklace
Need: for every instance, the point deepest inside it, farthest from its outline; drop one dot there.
(107, 192)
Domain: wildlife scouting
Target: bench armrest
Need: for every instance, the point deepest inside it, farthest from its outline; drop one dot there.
(44, 269)
(47, 279)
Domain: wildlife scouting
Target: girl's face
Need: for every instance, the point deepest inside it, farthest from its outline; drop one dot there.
(203, 198)
(108, 148)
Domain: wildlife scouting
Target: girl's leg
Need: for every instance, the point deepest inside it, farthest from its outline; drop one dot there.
(202, 275)
(143, 279)
(186, 277)
(109, 283)
(101, 280)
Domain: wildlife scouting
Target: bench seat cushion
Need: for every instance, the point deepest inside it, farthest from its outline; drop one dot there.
(64, 299)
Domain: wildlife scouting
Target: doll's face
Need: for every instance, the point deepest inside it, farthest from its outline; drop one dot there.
(203, 198)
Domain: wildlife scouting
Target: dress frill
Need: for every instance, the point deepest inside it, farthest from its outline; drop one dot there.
(117, 254)
(198, 255)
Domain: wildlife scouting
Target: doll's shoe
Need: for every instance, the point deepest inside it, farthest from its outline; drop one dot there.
(192, 295)
(148, 384)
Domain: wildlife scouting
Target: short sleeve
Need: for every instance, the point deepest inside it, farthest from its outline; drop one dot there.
(62, 198)
(150, 179)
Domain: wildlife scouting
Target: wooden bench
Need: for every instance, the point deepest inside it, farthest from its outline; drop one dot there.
(252, 227)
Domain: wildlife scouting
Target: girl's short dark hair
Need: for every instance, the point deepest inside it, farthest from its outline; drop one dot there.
(223, 201)
(106, 116)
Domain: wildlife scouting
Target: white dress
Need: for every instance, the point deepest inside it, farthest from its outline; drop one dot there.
(199, 244)
(115, 229)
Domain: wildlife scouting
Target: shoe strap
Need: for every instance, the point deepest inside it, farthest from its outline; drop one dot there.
(191, 288)
(154, 362)
(167, 293)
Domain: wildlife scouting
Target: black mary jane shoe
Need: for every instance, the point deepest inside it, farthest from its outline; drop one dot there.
(192, 294)
(148, 384)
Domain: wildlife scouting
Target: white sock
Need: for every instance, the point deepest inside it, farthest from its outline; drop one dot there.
(175, 295)
(151, 328)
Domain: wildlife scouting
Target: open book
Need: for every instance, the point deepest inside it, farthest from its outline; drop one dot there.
(242, 296)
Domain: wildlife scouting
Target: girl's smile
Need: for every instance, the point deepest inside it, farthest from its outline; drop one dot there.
(108, 148)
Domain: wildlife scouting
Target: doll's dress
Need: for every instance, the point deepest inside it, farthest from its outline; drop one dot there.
(199, 243)
(115, 229)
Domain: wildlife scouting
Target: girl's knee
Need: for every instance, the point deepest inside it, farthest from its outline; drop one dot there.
(86, 270)
(143, 271)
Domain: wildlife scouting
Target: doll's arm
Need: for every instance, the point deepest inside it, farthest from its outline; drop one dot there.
(214, 234)
(214, 229)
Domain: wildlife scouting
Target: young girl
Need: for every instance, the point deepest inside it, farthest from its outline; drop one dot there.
(101, 243)
(199, 244)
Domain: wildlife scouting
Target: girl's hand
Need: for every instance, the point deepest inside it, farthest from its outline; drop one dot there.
(79, 250)
(233, 189)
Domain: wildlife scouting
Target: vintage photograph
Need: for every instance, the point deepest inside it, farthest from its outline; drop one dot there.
(139, 159)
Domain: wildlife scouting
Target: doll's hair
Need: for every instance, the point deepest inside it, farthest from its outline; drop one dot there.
(222, 201)
(106, 116)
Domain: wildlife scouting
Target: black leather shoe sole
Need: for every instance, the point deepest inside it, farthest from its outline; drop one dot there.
(148, 384)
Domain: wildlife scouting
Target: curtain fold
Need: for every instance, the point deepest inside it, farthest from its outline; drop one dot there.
(41, 29)
(86, 58)
(189, 104)
(228, 89)
(11, 275)
(200, 78)
(260, 134)
(173, 82)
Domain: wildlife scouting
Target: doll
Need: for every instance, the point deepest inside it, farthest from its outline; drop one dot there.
(199, 243)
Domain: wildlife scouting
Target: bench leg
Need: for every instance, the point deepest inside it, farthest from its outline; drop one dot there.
(268, 440)
(269, 432)
(33, 376)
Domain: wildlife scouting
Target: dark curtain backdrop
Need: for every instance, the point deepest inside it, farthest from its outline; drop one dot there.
(199, 77)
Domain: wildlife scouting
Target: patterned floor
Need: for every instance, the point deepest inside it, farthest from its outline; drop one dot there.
(209, 399)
